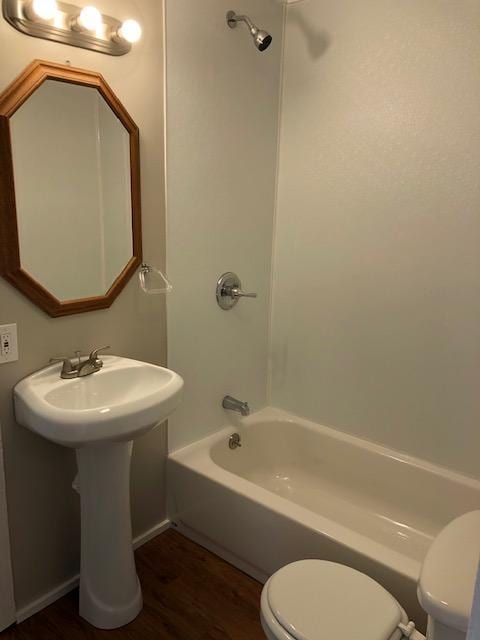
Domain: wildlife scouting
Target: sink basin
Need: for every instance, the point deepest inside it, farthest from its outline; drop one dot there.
(120, 402)
(100, 415)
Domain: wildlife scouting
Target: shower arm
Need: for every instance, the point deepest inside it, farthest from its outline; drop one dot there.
(232, 20)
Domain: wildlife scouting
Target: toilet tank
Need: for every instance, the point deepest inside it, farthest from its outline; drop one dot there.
(447, 579)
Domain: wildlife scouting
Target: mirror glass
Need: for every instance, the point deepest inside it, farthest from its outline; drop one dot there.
(72, 178)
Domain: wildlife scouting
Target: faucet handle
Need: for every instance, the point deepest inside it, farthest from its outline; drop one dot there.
(95, 352)
(239, 293)
(67, 363)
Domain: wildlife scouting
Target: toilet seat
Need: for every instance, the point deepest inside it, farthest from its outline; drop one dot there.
(319, 600)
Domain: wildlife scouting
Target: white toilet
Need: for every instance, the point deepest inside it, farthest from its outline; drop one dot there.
(319, 600)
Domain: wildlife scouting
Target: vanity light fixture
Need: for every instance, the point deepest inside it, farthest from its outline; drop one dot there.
(82, 27)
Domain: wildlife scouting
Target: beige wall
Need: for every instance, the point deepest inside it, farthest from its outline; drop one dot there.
(43, 509)
(376, 320)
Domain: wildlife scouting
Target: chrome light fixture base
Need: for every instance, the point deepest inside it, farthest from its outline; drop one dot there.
(14, 12)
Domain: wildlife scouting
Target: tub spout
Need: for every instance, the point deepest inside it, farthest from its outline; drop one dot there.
(232, 404)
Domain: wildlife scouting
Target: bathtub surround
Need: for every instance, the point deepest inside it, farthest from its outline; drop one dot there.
(222, 106)
(376, 304)
(375, 316)
(43, 509)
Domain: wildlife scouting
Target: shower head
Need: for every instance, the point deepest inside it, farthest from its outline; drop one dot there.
(261, 39)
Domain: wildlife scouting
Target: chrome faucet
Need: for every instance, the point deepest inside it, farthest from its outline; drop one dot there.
(80, 368)
(232, 404)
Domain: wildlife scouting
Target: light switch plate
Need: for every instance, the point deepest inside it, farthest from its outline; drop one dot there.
(8, 343)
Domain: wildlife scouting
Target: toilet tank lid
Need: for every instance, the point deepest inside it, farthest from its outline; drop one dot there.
(316, 599)
(447, 579)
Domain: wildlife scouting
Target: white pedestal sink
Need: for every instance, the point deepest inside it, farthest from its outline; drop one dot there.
(100, 415)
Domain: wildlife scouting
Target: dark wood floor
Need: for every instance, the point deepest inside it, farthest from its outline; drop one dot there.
(189, 594)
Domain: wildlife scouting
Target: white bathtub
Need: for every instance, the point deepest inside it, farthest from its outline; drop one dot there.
(297, 490)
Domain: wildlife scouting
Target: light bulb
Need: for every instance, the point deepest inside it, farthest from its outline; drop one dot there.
(90, 18)
(44, 9)
(130, 31)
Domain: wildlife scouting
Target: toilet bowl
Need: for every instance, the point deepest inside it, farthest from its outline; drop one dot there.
(320, 600)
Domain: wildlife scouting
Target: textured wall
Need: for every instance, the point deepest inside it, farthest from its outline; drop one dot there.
(222, 106)
(43, 509)
(376, 320)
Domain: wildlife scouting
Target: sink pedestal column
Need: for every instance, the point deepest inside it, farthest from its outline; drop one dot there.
(110, 594)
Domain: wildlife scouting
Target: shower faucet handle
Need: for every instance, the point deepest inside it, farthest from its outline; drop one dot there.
(238, 293)
(229, 291)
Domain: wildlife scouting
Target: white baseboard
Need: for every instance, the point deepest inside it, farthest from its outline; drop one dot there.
(72, 583)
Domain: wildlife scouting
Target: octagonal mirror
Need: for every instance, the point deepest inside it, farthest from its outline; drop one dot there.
(70, 233)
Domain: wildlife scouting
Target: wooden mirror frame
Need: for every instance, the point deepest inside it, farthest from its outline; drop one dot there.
(10, 266)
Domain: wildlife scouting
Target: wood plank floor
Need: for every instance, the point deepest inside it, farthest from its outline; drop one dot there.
(189, 594)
